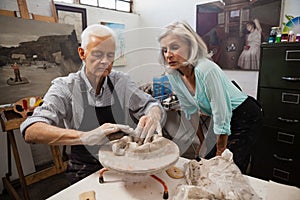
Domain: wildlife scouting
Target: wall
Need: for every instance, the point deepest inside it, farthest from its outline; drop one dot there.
(291, 7)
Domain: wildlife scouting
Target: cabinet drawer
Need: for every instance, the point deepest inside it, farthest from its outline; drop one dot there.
(274, 159)
(282, 144)
(281, 107)
(280, 67)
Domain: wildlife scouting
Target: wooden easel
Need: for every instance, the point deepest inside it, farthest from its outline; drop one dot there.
(11, 121)
(24, 13)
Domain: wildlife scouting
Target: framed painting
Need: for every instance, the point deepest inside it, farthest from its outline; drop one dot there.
(72, 15)
(32, 54)
(234, 30)
(120, 51)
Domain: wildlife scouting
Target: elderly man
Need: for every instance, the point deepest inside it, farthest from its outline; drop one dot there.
(85, 107)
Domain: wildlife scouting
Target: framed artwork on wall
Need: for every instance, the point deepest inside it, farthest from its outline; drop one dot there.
(72, 15)
(33, 53)
(119, 29)
(224, 27)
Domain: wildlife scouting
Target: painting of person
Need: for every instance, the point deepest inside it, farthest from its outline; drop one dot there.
(16, 69)
(249, 58)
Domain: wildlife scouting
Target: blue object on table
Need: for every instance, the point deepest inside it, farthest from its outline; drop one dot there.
(161, 88)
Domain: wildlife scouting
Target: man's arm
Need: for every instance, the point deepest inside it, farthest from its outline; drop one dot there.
(41, 132)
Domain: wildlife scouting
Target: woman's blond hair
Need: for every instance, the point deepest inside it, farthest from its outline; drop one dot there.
(198, 47)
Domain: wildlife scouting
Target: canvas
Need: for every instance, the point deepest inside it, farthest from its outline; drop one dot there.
(223, 28)
(32, 54)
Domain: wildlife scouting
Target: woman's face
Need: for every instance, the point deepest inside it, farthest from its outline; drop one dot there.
(99, 56)
(249, 27)
(175, 51)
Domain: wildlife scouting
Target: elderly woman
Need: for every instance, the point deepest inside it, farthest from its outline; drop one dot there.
(201, 86)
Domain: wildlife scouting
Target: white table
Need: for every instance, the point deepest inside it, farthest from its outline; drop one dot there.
(148, 189)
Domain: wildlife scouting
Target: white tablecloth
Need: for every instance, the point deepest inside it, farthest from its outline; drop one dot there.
(145, 187)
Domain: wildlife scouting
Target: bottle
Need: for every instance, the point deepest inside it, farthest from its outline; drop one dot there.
(278, 38)
(272, 36)
(298, 37)
(291, 36)
(284, 37)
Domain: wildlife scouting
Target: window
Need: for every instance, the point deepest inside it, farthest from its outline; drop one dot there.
(120, 5)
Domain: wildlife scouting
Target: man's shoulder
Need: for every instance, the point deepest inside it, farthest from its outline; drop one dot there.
(117, 75)
(70, 78)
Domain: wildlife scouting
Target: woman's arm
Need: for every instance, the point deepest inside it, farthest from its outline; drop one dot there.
(221, 143)
(257, 24)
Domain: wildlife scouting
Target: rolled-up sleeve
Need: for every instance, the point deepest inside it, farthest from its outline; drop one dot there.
(219, 101)
(56, 104)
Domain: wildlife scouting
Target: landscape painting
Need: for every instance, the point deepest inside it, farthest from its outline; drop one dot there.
(32, 54)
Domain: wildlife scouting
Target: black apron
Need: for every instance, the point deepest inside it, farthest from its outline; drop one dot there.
(84, 159)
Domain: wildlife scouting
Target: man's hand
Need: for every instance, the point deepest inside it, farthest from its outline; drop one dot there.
(147, 126)
(99, 135)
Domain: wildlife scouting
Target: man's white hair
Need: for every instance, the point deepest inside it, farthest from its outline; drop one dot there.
(97, 30)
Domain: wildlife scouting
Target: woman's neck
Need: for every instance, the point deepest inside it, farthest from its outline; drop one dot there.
(187, 71)
(188, 76)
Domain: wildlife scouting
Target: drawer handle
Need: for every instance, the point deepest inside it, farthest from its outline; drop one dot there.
(282, 159)
(281, 174)
(292, 55)
(288, 120)
(290, 78)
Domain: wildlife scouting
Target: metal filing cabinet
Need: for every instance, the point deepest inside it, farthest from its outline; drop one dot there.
(276, 155)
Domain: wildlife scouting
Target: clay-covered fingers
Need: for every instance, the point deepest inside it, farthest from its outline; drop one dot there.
(137, 133)
(146, 128)
(125, 128)
(159, 130)
(155, 128)
(108, 128)
(99, 135)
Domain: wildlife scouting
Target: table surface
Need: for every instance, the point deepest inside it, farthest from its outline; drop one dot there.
(135, 188)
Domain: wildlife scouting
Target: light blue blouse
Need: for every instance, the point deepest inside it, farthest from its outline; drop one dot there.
(215, 95)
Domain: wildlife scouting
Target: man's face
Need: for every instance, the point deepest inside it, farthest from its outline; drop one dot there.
(99, 56)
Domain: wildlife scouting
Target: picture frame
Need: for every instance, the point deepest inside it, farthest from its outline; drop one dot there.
(72, 15)
(119, 29)
(223, 27)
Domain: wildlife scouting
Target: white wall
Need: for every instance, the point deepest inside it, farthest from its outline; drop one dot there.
(291, 7)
